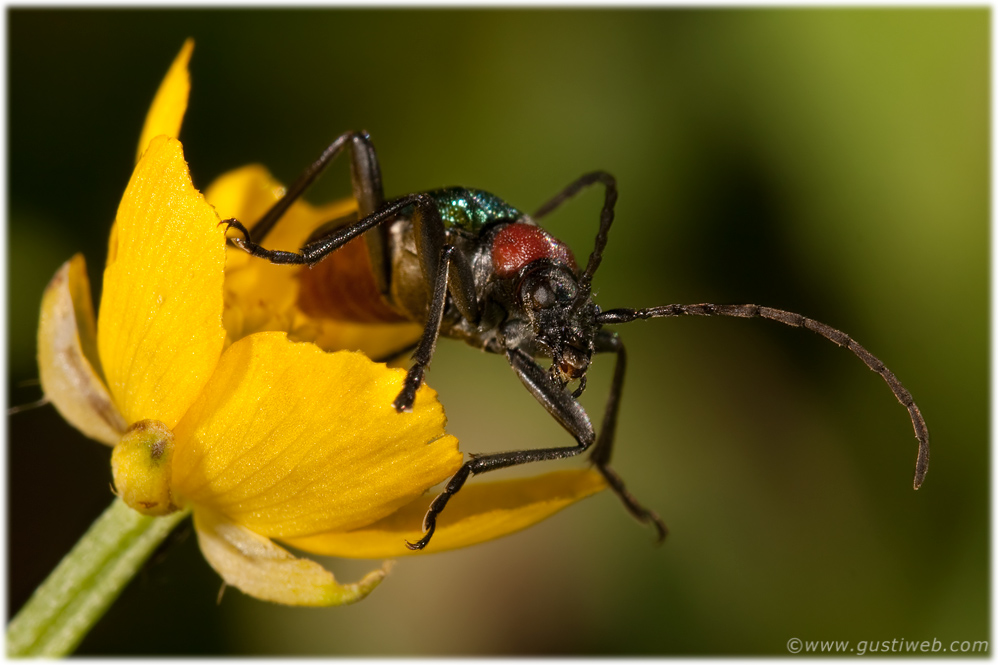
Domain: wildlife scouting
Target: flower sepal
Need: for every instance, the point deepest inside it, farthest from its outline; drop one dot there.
(68, 365)
(257, 566)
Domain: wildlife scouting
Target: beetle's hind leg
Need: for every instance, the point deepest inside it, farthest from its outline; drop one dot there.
(368, 192)
(365, 174)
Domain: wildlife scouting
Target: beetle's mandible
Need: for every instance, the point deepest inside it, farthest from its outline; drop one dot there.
(467, 265)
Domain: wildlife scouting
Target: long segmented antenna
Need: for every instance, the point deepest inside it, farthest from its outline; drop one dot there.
(605, 221)
(797, 321)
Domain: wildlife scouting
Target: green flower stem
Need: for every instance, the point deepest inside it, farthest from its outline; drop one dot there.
(85, 583)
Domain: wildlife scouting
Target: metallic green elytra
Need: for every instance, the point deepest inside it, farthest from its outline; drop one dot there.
(471, 209)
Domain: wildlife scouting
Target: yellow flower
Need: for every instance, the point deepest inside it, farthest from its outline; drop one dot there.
(261, 437)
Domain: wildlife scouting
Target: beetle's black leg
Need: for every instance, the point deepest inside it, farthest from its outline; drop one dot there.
(570, 414)
(613, 316)
(430, 235)
(318, 249)
(338, 223)
(364, 171)
(607, 342)
(365, 175)
(436, 260)
(428, 342)
(605, 221)
(558, 403)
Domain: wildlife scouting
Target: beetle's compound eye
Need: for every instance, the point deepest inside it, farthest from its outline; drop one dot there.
(548, 287)
(539, 295)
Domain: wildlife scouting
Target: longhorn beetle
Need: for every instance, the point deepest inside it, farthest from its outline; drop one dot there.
(468, 265)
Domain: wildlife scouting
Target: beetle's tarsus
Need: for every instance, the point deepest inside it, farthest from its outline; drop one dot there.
(661, 530)
(233, 223)
(639, 512)
(403, 403)
(407, 396)
(419, 544)
(428, 530)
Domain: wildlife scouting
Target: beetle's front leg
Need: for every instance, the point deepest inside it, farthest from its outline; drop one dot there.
(558, 403)
(609, 342)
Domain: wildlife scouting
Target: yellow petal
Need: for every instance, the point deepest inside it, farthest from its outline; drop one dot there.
(160, 324)
(477, 513)
(164, 117)
(261, 296)
(112, 245)
(67, 356)
(257, 567)
(288, 440)
(168, 106)
(380, 341)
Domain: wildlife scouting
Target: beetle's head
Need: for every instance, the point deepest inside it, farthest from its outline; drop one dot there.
(563, 323)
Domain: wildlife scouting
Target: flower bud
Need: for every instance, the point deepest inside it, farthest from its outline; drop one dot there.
(142, 464)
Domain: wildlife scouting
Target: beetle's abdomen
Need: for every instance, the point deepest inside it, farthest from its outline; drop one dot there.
(342, 287)
(517, 245)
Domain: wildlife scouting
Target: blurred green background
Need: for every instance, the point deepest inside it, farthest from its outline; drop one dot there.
(831, 162)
